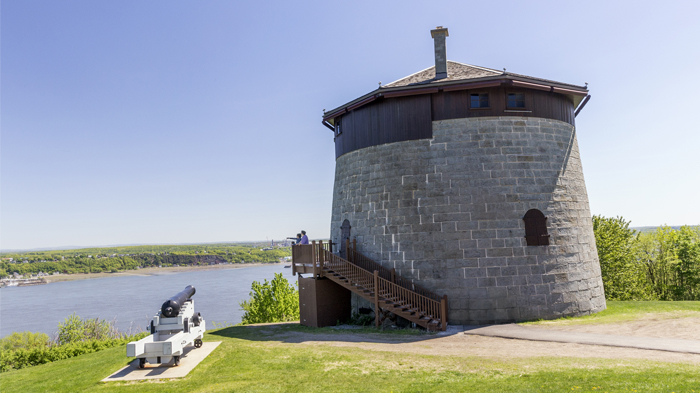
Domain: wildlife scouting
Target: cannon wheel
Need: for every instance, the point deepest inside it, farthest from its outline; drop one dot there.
(142, 363)
(176, 361)
(198, 343)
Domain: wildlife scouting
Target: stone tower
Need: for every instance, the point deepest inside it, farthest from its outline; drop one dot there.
(469, 182)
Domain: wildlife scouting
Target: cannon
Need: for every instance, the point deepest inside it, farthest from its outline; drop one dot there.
(171, 308)
(175, 327)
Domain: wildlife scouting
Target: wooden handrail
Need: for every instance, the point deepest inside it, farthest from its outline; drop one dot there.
(372, 280)
(388, 274)
(382, 288)
(305, 257)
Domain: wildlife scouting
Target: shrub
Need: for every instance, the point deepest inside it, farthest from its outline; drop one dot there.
(275, 301)
(75, 329)
(75, 336)
(361, 319)
(27, 357)
(24, 340)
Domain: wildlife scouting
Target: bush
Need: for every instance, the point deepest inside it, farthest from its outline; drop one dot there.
(24, 340)
(75, 336)
(275, 301)
(361, 319)
(27, 357)
(75, 329)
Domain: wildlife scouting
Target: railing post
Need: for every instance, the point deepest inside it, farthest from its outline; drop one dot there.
(294, 266)
(376, 298)
(393, 275)
(354, 244)
(313, 256)
(443, 312)
(321, 257)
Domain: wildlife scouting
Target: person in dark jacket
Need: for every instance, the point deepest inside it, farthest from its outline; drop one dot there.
(304, 238)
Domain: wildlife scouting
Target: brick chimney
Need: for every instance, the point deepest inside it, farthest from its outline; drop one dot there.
(439, 35)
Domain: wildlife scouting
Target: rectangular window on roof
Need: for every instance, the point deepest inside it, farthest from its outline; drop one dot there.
(516, 100)
(479, 100)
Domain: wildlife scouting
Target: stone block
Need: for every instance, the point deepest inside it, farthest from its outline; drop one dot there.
(482, 304)
(499, 252)
(486, 282)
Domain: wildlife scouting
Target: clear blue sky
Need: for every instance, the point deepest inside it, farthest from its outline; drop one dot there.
(183, 121)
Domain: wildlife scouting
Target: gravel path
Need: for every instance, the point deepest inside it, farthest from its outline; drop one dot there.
(455, 343)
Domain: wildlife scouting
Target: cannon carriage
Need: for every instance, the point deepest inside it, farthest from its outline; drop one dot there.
(175, 327)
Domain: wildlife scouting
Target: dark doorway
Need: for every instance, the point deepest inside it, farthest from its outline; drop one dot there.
(344, 237)
(536, 228)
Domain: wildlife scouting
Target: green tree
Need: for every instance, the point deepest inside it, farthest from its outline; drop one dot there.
(687, 268)
(672, 260)
(623, 275)
(275, 301)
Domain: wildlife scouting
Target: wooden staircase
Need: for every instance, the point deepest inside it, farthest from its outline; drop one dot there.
(371, 281)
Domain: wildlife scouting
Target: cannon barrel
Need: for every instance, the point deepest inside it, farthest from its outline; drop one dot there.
(171, 308)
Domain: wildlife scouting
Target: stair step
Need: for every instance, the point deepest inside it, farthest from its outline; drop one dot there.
(364, 286)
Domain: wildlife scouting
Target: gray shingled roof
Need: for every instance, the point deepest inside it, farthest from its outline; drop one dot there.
(456, 72)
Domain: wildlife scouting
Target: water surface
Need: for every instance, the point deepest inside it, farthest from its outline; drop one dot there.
(130, 300)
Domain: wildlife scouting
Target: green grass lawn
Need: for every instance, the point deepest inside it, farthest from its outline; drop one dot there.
(259, 360)
(266, 359)
(623, 311)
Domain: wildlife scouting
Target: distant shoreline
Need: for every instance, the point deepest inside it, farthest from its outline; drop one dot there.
(152, 271)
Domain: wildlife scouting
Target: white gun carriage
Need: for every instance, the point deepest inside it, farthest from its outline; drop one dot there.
(175, 327)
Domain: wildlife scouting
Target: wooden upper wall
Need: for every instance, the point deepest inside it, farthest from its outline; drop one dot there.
(408, 118)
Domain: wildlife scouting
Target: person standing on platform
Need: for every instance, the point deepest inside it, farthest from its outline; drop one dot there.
(304, 238)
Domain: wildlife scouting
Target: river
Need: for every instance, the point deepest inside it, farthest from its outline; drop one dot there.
(130, 300)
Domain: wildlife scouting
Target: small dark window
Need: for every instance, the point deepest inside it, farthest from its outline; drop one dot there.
(479, 100)
(338, 131)
(516, 100)
(536, 228)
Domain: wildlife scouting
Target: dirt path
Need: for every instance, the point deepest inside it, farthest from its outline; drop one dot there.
(664, 326)
(460, 344)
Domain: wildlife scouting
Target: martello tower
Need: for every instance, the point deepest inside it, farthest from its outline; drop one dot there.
(468, 181)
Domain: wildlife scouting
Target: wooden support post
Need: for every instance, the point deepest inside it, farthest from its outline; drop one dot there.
(347, 250)
(393, 275)
(354, 244)
(294, 265)
(443, 312)
(376, 298)
(313, 256)
(321, 257)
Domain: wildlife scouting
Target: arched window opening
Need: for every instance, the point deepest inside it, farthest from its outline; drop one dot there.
(536, 228)
(344, 236)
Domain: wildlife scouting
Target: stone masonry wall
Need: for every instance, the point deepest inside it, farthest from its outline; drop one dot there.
(447, 213)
